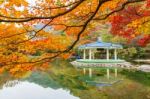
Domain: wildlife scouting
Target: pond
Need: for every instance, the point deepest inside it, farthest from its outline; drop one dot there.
(62, 81)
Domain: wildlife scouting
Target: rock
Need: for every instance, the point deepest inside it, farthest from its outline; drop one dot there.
(144, 68)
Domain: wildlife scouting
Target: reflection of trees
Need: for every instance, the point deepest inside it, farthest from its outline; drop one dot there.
(11, 83)
(128, 89)
(141, 77)
(7, 80)
(65, 76)
(68, 78)
(43, 79)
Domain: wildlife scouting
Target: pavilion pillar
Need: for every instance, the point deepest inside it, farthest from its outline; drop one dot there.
(90, 54)
(115, 54)
(84, 55)
(107, 54)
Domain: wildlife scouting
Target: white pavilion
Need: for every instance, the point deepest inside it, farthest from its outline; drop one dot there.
(100, 54)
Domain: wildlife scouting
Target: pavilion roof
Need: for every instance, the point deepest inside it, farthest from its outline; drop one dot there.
(100, 44)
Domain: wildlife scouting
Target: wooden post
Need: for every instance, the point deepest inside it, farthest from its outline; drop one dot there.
(90, 72)
(115, 54)
(108, 74)
(107, 54)
(116, 72)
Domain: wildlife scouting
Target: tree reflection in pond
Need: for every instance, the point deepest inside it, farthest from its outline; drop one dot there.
(62, 75)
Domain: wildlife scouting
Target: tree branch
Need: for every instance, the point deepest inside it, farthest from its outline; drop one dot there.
(26, 19)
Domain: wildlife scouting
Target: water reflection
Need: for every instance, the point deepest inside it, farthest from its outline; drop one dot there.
(27, 90)
(62, 81)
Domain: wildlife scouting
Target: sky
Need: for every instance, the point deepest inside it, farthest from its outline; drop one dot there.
(32, 2)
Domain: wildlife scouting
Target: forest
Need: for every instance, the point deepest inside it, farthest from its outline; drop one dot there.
(33, 33)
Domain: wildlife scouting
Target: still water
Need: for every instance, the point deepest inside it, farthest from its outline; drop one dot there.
(28, 90)
(62, 81)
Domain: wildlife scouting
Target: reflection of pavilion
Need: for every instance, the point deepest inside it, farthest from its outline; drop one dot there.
(100, 54)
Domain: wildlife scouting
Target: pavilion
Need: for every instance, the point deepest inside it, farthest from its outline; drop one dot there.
(91, 50)
(100, 54)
